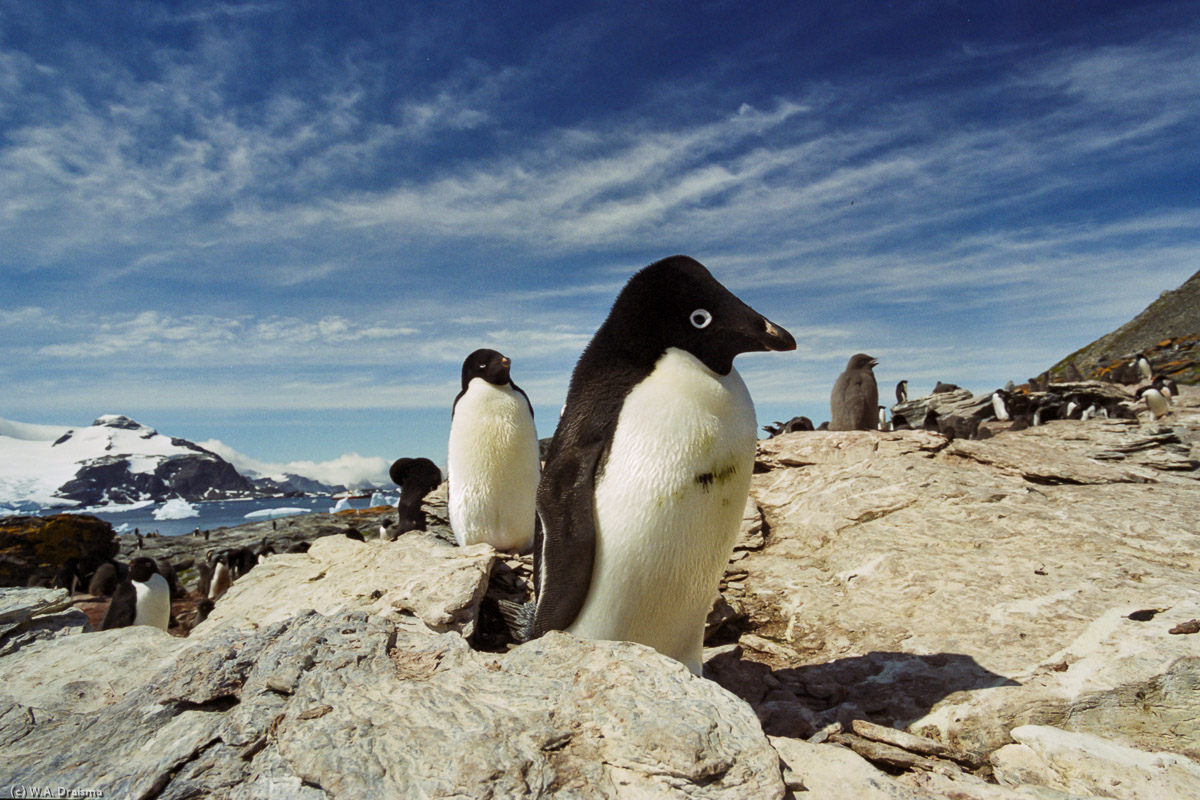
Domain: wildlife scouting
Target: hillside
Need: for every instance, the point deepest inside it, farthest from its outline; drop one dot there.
(1168, 332)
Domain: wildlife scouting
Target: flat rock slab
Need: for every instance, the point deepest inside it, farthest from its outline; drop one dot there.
(417, 573)
(353, 705)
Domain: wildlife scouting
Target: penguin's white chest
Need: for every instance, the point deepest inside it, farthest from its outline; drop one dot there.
(668, 507)
(153, 602)
(494, 468)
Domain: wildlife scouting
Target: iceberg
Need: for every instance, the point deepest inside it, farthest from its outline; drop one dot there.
(381, 499)
(342, 505)
(176, 508)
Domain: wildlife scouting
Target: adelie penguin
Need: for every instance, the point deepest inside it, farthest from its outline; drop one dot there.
(854, 402)
(902, 392)
(144, 598)
(645, 480)
(494, 463)
(416, 478)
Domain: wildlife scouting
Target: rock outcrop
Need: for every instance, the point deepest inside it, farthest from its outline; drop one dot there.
(39, 546)
(1167, 332)
(904, 617)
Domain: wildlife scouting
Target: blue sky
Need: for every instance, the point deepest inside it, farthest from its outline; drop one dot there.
(284, 225)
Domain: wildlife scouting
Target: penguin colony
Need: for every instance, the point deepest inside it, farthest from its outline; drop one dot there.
(632, 511)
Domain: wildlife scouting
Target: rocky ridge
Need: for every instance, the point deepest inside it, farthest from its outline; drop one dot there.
(1167, 332)
(904, 617)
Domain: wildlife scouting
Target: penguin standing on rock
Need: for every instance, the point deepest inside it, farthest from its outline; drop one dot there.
(902, 392)
(1155, 401)
(416, 478)
(649, 469)
(854, 402)
(222, 578)
(144, 598)
(494, 463)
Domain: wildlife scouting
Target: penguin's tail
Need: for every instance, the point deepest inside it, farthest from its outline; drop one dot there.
(518, 616)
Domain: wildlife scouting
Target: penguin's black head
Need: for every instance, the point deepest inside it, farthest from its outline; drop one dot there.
(676, 302)
(399, 469)
(487, 364)
(141, 568)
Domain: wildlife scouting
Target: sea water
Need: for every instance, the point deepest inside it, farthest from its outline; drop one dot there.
(177, 517)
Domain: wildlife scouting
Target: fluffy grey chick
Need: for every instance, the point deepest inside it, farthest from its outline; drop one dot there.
(854, 403)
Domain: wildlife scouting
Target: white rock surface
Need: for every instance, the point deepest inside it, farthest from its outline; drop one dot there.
(1091, 766)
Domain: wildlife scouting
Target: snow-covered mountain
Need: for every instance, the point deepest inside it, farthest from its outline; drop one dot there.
(114, 460)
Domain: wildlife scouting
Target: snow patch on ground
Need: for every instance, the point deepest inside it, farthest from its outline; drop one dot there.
(271, 513)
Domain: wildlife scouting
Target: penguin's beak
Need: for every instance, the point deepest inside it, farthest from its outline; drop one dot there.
(776, 338)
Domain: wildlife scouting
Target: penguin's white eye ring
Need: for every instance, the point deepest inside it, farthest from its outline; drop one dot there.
(700, 318)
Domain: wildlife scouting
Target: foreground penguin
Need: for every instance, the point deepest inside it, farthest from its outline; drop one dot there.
(493, 457)
(854, 401)
(648, 472)
(144, 598)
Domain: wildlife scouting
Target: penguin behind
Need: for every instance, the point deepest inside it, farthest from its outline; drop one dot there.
(493, 457)
(142, 599)
(854, 402)
(416, 478)
(902, 392)
(1155, 401)
(646, 477)
(222, 578)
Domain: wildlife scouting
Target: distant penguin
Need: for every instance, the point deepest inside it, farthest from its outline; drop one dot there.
(1088, 412)
(942, 388)
(222, 579)
(204, 571)
(387, 531)
(1143, 365)
(1000, 405)
(1072, 407)
(854, 401)
(494, 463)
(1155, 401)
(164, 568)
(104, 580)
(203, 609)
(1167, 388)
(416, 478)
(70, 576)
(1021, 422)
(883, 420)
(650, 466)
(902, 392)
(142, 599)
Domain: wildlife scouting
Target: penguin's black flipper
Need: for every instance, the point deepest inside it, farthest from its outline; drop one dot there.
(122, 609)
(564, 548)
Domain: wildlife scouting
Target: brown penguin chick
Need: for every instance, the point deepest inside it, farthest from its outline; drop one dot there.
(854, 402)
